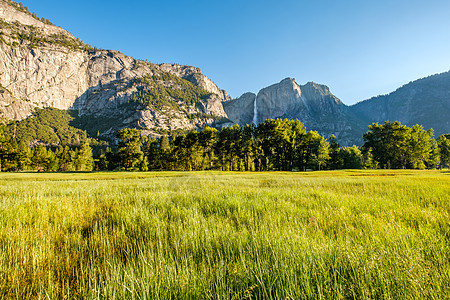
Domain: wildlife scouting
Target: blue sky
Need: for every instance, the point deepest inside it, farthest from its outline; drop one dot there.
(358, 48)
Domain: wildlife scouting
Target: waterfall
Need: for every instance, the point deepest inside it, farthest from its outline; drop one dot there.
(255, 113)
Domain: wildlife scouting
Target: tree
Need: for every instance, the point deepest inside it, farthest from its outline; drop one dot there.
(130, 154)
(397, 146)
(443, 145)
(323, 152)
(84, 159)
(351, 157)
(52, 161)
(144, 164)
(153, 153)
(335, 161)
(248, 146)
(369, 162)
(308, 150)
(419, 147)
(23, 156)
(8, 153)
(207, 139)
(66, 157)
(165, 145)
(39, 160)
(228, 147)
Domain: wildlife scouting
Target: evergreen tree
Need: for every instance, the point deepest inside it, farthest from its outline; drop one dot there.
(66, 157)
(23, 156)
(335, 161)
(130, 154)
(165, 145)
(143, 166)
(8, 153)
(52, 161)
(153, 153)
(323, 151)
(39, 159)
(167, 158)
(84, 159)
(248, 146)
(111, 159)
(443, 145)
(207, 138)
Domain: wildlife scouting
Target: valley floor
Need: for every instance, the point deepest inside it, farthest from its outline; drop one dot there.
(223, 235)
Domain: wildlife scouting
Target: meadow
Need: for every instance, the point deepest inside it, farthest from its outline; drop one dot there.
(223, 235)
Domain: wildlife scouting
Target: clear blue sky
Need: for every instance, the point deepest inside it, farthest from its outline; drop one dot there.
(358, 48)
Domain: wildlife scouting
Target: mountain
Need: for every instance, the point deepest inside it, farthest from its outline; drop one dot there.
(312, 103)
(42, 65)
(425, 101)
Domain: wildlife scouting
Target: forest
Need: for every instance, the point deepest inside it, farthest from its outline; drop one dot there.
(276, 144)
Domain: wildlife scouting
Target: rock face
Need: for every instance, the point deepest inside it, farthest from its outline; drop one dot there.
(241, 110)
(425, 101)
(313, 104)
(42, 65)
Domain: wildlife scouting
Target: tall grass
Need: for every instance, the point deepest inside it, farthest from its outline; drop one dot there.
(319, 235)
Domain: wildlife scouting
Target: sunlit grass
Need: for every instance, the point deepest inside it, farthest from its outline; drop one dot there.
(346, 234)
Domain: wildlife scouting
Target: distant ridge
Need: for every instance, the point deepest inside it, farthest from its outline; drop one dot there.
(424, 101)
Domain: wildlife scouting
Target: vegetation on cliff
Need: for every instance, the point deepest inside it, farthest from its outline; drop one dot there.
(167, 90)
(17, 34)
(20, 7)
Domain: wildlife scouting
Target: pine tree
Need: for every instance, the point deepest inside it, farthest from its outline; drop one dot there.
(23, 156)
(323, 151)
(85, 161)
(444, 151)
(39, 159)
(8, 153)
(130, 154)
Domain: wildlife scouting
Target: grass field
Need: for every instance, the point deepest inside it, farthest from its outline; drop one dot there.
(325, 235)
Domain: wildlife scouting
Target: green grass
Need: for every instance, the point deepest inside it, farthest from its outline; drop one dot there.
(320, 235)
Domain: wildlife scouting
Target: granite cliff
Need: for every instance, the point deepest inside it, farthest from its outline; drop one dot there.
(42, 65)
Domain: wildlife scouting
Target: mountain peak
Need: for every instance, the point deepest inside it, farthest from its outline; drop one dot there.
(320, 88)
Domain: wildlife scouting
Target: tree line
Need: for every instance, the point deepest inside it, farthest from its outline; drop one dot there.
(276, 144)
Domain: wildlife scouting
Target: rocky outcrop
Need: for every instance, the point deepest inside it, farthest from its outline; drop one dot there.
(13, 108)
(195, 76)
(241, 110)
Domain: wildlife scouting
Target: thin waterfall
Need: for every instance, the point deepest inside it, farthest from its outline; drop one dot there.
(255, 113)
